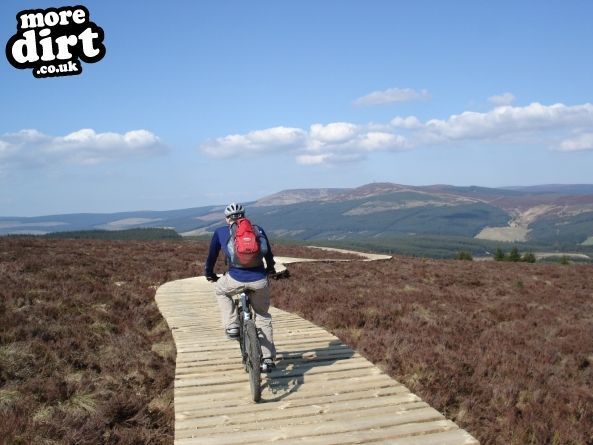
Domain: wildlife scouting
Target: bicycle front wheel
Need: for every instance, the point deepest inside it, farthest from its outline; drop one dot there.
(242, 341)
(253, 359)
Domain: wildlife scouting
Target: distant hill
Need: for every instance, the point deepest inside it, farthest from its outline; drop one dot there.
(179, 220)
(562, 189)
(299, 195)
(547, 216)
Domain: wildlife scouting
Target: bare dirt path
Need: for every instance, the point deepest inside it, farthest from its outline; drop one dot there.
(321, 392)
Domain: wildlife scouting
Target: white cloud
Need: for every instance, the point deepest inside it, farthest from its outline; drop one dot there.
(331, 143)
(391, 95)
(335, 132)
(255, 142)
(356, 146)
(31, 147)
(375, 140)
(409, 122)
(312, 159)
(582, 142)
(4, 148)
(348, 142)
(502, 99)
(329, 158)
(509, 122)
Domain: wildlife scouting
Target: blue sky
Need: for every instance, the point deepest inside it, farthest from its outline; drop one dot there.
(199, 103)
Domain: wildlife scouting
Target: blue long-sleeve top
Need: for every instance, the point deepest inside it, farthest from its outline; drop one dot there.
(219, 240)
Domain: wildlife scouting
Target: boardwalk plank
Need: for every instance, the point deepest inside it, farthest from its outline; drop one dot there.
(267, 431)
(321, 392)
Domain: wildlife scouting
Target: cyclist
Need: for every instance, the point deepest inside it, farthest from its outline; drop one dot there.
(254, 278)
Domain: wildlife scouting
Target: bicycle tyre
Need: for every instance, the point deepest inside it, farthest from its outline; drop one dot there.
(242, 340)
(253, 359)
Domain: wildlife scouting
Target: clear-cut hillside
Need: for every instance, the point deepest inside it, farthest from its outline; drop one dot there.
(552, 216)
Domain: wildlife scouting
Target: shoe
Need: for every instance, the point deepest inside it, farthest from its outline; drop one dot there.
(232, 332)
(267, 365)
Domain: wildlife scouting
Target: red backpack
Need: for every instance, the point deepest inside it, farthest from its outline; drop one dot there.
(244, 244)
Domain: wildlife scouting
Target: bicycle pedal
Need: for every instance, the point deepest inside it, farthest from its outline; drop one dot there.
(267, 367)
(233, 333)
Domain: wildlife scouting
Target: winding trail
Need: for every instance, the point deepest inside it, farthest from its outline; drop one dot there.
(321, 392)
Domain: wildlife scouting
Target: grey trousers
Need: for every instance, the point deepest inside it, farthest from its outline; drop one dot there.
(260, 301)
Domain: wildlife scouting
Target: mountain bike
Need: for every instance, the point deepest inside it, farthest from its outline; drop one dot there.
(249, 341)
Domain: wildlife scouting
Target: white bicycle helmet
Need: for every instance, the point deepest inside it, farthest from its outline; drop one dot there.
(234, 210)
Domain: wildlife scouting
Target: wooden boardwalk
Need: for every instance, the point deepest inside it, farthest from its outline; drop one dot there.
(322, 392)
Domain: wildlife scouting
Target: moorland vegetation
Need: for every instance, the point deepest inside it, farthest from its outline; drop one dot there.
(137, 234)
(85, 355)
(504, 349)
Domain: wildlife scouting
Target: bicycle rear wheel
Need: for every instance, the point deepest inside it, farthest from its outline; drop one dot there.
(253, 359)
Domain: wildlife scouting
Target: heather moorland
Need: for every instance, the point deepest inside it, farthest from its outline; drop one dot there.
(503, 349)
(85, 355)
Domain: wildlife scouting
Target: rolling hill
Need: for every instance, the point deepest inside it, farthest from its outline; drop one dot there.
(378, 214)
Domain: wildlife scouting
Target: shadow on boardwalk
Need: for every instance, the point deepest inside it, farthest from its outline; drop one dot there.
(290, 371)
